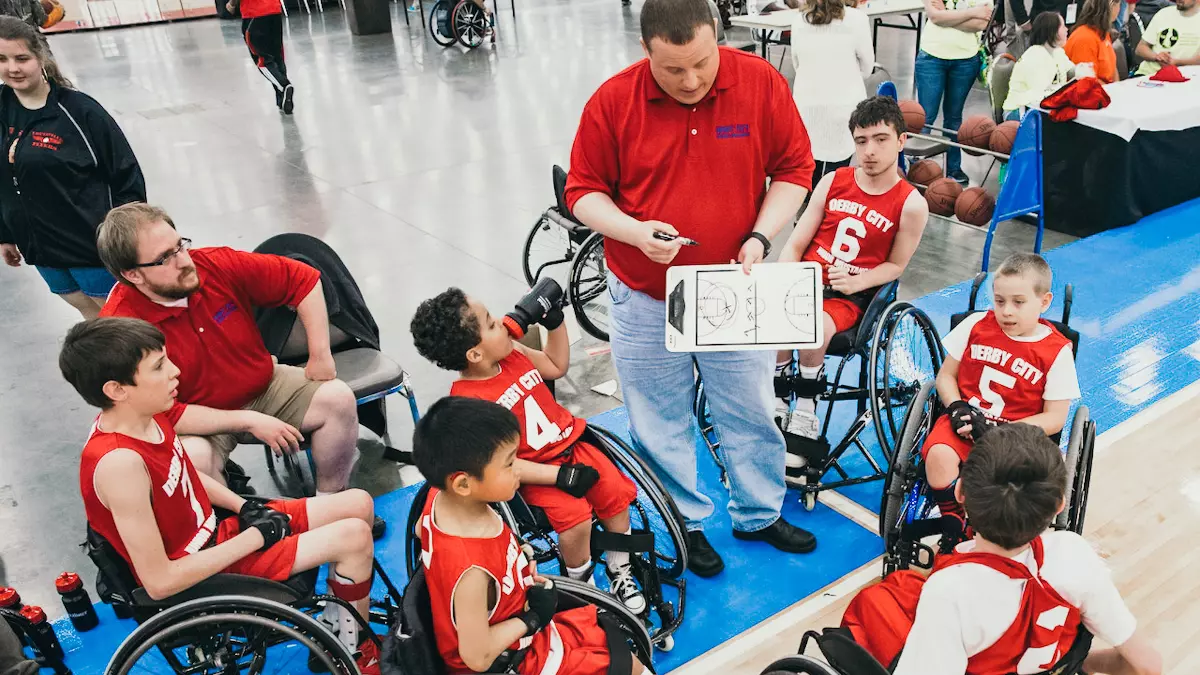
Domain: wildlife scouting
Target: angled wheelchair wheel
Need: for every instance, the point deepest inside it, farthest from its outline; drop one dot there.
(299, 475)
(903, 499)
(708, 431)
(800, 665)
(654, 507)
(547, 247)
(534, 530)
(1080, 446)
(470, 24)
(412, 546)
(439, 18)
(905, 352)
(629, 623)
(587, 288)
(231, 634)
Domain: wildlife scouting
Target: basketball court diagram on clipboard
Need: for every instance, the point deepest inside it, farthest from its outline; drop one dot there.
(721, 308)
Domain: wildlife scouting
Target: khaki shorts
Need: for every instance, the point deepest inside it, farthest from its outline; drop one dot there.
(287, 399)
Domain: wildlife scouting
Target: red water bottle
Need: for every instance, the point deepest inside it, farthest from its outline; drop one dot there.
(76, 601)
(10, 599)
(45, 642)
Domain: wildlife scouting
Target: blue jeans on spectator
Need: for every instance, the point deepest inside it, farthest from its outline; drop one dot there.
(659, 386)
(94, 282)
(945, 83)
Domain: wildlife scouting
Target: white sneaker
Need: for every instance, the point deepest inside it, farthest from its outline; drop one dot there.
(624, 587)
(803, 423)
(781, 414)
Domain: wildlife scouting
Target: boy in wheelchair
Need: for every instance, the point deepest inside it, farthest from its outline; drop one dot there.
(569, 479)
(1015, 599)
(1003, 365)
(487, 599)
(862, 225)
(142, 494)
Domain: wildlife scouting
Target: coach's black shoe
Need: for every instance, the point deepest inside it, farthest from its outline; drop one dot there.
(782, 535)
(703, 559)
(285, 102)
(378, 528)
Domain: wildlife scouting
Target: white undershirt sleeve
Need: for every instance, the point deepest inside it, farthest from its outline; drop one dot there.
(955, 341)
(1062, 382)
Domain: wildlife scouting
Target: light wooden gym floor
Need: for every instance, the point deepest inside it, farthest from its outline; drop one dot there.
(1143, 516)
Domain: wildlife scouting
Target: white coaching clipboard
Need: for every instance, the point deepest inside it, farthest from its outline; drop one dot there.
(721, 308)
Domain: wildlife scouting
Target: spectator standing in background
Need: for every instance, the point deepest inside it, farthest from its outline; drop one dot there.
(832, 54)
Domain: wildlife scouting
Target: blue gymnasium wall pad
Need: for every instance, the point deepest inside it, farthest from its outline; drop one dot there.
(1137, 306)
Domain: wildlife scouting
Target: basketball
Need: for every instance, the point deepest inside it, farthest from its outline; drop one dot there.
(914, 116)
(941, 195)
(1003, 136)
(974, 207)
(924, 172)
(976, 131)
(54, 12)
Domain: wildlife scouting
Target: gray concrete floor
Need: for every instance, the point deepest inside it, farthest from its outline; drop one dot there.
(424, 167)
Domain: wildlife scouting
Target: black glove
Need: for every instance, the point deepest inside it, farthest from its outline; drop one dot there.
(963, 414)
(540, 604)
(542, 304)
(576, 479)
(272, 524)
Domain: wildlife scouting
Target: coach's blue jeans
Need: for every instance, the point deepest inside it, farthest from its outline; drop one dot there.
(659, 385)
(945, 83)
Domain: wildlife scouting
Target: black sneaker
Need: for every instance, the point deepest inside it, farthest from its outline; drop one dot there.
(378, 528)
(286, 104)
(782, 535)
(703, 559)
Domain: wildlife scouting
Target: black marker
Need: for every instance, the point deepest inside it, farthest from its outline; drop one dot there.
(663, 236)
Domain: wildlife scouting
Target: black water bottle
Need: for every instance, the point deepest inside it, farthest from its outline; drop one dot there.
(10, 599)
(77, 602)
(545, 296)
(45, 642)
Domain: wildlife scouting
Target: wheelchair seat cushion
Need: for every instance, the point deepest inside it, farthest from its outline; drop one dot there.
(843, 342)
(367, 371)
(288, 592)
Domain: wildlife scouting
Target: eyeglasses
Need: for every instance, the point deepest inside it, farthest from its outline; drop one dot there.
(166, 258)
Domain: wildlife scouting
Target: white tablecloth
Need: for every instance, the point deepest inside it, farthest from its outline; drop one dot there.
(1170, 107)
(784, 18)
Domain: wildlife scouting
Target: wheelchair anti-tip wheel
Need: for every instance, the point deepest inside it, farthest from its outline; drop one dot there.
(470, 23)
(588, 288)
(904, 500)
(441, 24)
(231, 634)
(1080, 445)
(905, 352)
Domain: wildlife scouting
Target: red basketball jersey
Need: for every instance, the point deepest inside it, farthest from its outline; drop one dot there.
(859, 228)
(547, 428)
(185, 518)
(1003, 377)
(447, 558)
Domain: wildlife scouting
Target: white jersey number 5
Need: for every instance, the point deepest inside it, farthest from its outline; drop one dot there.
(995, 402)
(539, 430)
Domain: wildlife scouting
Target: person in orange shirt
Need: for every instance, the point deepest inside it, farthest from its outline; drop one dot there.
(1091, 39)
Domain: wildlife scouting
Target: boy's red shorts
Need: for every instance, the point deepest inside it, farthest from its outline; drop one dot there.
(943, 434)
(582, 645)
(612, 494)
(845, 314)
(276, 562)
(880, 617)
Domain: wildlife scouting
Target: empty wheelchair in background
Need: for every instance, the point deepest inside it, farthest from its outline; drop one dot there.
(908, 512)
(657, 543)
(355, 342)
(229, 623)
(896, 348)
(411, 647)
(561, 246)
(460, 21)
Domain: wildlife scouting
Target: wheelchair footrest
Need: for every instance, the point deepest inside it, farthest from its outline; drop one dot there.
(639, 541)
(787, 386)
(814, 451)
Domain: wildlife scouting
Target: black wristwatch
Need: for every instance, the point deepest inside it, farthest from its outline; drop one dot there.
(763, 239)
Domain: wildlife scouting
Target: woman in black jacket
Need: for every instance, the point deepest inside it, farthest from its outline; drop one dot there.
(65, 164)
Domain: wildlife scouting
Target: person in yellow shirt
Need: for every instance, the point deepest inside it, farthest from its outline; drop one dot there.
(1043, 67)
(1173, 37)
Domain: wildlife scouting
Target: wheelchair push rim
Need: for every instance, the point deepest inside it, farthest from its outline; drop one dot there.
(547, 246)
(905, 352)
(899, 501)
(588, 288)
(211, 621)
(636, 633)
(1080, 445)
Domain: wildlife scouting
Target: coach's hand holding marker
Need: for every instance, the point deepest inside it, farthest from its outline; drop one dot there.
(652, 244)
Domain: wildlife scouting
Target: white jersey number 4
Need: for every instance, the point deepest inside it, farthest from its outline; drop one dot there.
(539, 430)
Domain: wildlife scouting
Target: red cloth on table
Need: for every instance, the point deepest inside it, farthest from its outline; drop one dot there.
(1083, 94)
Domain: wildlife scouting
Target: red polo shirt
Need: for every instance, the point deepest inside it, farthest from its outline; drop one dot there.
(214, 339)
(702, 168)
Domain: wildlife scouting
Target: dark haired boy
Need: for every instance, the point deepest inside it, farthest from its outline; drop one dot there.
(1014, 599)
(862, 226)
(486, 597)
(144, 496)
(567, 478)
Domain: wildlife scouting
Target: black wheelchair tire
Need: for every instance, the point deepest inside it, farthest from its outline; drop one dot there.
(412, 552)
(635, 627)
(800, 665)
(1079, 471)
(441, 40)
(918, 420)
(233, 609)
(631, 463)
(470, 23)
(592, 247)
(885, 422)
(544, 224)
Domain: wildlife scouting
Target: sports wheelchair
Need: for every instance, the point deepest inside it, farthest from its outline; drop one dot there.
(229, 622)
(897, 348)
(411, 649)
(657, 543)
(557, 238)
(843, 656)
(460, 21)
(906, 514)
